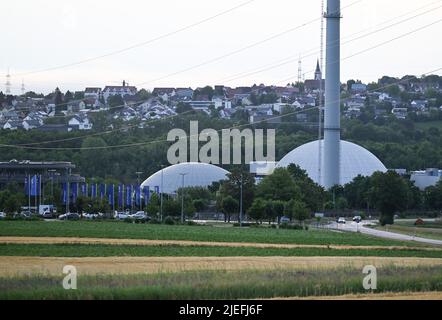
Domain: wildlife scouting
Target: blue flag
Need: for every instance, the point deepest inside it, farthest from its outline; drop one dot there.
(74, 188)
(94, 191)
(137, 196)
(120, 195)
(84, 189)
(27, 186)
(102, 191)
(146, 194)
(128, 196)
(65, 193)
(157, 189)
(110, 194)
(34, 186)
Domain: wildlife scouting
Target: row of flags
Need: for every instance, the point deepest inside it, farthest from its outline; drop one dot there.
(126, 195)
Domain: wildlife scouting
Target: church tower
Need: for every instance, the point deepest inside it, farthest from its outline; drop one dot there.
(318, 72)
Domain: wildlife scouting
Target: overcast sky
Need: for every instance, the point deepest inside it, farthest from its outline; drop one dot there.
(41, 34)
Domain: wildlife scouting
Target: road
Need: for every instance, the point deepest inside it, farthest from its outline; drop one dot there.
(362, 227)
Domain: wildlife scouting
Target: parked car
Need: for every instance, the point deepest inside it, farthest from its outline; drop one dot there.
(48, 215)
(357, 219)
(2, 215)
(284, 220)
(92, 216)
(23, 215)
(341, 221)
(121, 216)
(139, 216)
(69, 216)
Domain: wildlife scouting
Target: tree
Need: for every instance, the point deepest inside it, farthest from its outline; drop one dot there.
(58, 101)
(433, 197)
(300, 211)
(232, 186)
(257, 210)
(115, 103)
(229, 206)
(389, 192)
(278, 186)
(68, 96)
(278, 209)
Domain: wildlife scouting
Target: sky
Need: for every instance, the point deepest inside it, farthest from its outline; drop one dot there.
(45, 34)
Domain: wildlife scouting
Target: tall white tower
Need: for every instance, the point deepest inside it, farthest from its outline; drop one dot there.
(332, 125)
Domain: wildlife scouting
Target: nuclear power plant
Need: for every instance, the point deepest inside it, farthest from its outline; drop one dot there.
(341, 161)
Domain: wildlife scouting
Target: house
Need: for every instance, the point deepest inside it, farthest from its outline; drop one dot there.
(124, 90)
(355, 102)
(262, 115)
(184, 93)
(358, 88)
(31, 124)
(164, 93)
(301, 117)
(400, 113)
(80, 122)
(92, 93)
(13, 125)
(419, 105)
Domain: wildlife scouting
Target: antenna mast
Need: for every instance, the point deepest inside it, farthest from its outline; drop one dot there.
(8, 83)
(321, 96)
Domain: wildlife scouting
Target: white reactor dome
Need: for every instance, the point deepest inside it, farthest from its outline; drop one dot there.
(355, 161)
(195, 175)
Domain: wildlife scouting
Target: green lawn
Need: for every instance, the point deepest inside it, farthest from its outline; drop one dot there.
(71, 250)
(205, 285)
(193, 233)
(409, 229)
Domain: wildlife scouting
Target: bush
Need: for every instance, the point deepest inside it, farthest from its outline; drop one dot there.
(386, 219)
(154, 221)
(169, 221)
(244, 224)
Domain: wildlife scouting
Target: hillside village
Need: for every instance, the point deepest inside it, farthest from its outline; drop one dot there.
(409, 97)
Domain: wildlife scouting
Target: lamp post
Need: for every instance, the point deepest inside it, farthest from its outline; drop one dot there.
(161, 193)
(240, 202)
(182, 196)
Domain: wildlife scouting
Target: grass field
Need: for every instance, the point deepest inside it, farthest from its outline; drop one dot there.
(249, 284)
(192, 233)
(433, 231)
(130, 261)
(66, 250)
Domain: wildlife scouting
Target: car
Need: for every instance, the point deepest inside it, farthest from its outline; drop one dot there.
(92, 216)
(121, 216)
(357, 219)
(341, 221)
(69, 216)
(284, 220)
(23, 215)
(139, 216)
(2, 215)
(48, 215)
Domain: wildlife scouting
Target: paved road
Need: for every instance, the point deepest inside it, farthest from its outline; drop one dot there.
(361, 227)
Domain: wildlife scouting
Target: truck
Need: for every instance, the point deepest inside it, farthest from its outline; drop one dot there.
(47, 210)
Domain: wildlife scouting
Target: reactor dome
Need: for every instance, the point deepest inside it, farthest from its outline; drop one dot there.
(355, 161)
(195, 175)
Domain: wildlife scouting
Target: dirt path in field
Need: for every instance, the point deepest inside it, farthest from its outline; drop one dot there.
(141, 242)
(378, 296)
(22, 266)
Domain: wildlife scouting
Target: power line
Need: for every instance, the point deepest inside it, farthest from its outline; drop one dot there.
(141, 44)
(220, 130)
(292, 59)
(229, 54)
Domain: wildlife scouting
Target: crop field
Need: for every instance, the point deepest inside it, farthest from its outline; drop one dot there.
(142, 261)
(240, 284)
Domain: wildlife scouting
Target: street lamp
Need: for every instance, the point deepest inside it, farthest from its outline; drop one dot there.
(182, 196)
(161, 193)
(240, 202)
